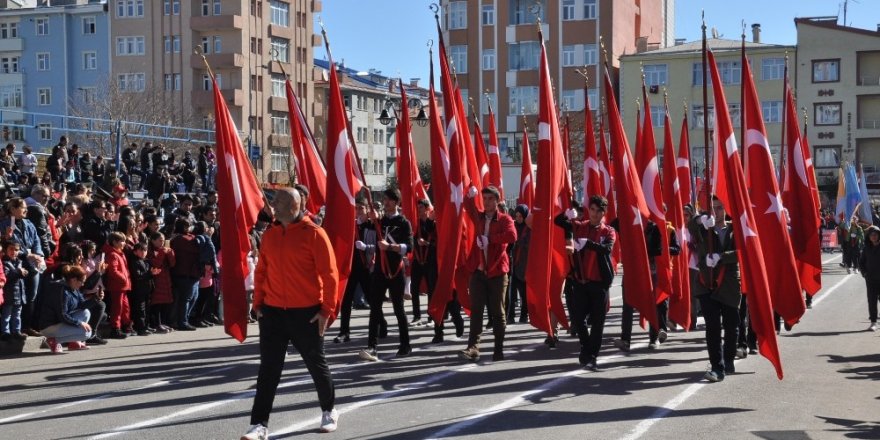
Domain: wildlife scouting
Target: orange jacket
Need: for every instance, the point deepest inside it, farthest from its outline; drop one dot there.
(296, 268)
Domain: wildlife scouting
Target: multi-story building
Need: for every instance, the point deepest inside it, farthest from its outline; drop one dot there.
(494, 48)
(49, 57)
(838, 83)
(677, 72)
(250, 46)
(366, 95)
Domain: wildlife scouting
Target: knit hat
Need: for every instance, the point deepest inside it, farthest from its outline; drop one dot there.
(523, 210)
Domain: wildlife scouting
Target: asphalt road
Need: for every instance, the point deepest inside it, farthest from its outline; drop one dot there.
(199, 385)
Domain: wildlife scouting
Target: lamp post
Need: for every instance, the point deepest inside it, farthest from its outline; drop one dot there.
(421, 118)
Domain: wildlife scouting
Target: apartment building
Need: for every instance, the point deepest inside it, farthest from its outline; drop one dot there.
(494, 48)
(252, 46)
(838, 83)
(677, 72)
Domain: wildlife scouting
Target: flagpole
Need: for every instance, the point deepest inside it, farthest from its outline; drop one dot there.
(707, 173)
(742, 96)
(784, 123)
(198, 51)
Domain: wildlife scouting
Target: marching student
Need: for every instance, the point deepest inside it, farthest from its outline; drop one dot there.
(424, 262)
(489, 264)
(396, 240)
(294, 295)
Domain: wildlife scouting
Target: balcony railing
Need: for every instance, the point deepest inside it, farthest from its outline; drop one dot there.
(869, 80)
(869, 123)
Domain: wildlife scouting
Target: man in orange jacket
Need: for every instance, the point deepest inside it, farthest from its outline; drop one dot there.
(294, 294)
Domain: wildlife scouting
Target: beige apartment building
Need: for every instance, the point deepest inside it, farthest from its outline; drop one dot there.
(250, 45)
(838, 82)
(494, 47)
(678, 72)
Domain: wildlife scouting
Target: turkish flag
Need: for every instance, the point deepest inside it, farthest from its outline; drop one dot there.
(800, 197)
(496, 178)
(451, 215)
(649, 170)
(567, 187)
(735, 197)
(547, 264)
(631, 213)
(240, 201)
(527, 176)
(593, 178)
(680, 301)
(411, 189)
(342, 185)
(482, 160)
(605, 169)
(683, 164)
(782, 274)
(310, 170)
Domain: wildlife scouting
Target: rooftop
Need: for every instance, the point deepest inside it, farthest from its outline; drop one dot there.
(714, 44)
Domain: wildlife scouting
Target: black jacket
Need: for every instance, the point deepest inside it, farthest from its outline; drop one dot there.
(869, 262)
(141, 277)
(395, 230)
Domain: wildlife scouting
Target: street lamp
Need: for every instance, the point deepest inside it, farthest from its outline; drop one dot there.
(386, 117)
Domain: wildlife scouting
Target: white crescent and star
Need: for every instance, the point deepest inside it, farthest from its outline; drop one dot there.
(650, 182)
(340, 158)
(236, 187)
(800, 165)
(746, 226)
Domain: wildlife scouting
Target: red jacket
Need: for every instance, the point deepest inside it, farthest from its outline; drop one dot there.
(116, 278)
(501, 233)
(162, 259)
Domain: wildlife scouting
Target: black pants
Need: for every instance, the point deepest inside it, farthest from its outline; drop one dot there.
(851, 256)
(517, 290)
(873, 297)
(160, 314)
(205, 305)
(30, 308)
(376, 296)
(626, 321)
(96, 310)
(588, 300)
(137, 300)
(359, 276)
(278, 328)
(453, 309)
(419, 272)
(717, 315)
(745, 324)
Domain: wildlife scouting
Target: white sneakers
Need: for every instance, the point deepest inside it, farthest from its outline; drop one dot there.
(257, 432)
(369, 354)
(329, 420)
(873, 327)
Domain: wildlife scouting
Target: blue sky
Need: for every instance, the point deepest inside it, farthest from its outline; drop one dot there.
(392, 35)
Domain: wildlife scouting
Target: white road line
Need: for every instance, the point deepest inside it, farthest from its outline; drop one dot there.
(831, 259)
(384, 396)
(824, 294)
(663, 411)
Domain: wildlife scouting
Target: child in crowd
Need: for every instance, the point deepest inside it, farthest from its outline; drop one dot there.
(204, 309)
(141, 288)
(117, 279)
(162, 260)
(13, 291)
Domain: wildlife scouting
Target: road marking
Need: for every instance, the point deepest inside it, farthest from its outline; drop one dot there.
(663, 411)
(832, 259)
(825, 293)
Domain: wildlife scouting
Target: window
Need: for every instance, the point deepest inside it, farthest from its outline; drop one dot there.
(591, 54)
(570, 100)
(133, 45)
(280, 13)
(486, 101)
(772, 68)
(44, 96)
(772, 111)
(655, 74)
(458, 55)
(218, 44)
(279, 159)
(734, 110)
(827, 113)
(730, 72)
(89, 25)
(90, 60)
(697, 116)
(218, 8)
(375, 166)
(487, 15)
(488, 59)
(131, 82)
(10, 96)
(523, 100)
(169, 82)
(206, 45)
(524, 56)
(175, 43)
(208, 85)
(280, 124)
(568, 10)
(130, 8)
(457, 15)
(658, 116)
(8, 30)
(45, 131)
(281, 49)
(827, 156)
(206, 7)
(568, 56)
(177, 81)
(375, 136)
(166, 7)
(256, 8)
(43, 61)
(589, 9)
(520, 11)
(42, 26)
(826, 71)
(9, 65)
(167, 41)
(593, 96)
(278, 87)
(175, 7)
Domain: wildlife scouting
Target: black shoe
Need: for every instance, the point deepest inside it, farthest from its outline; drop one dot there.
(729, 369)
(96, 340)
(201, 324)
(591, 364)
(498, 356)
(186, 328)
(207, 323)
(117, 334)
(5, 337)
(343, 337)
(583, 359)
(19, 336)
(361, 306)
(714, 376)
(437, 339)
(524, 319)
(404, 351)
(143, 333)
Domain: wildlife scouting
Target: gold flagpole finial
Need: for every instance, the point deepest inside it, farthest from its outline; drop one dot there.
(198, 51)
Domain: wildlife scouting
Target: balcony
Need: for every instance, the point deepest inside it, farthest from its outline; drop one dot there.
(285, 32)
(205, 98)
(11, 45)
(278, 104)
(317, 40)
(279, 140)
(218, 61)
(216, 22)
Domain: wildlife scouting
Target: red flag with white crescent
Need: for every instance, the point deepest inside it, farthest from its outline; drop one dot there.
(310, 170)
(495, 175)
(527, 175)
(680, 301)
(593, 179)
